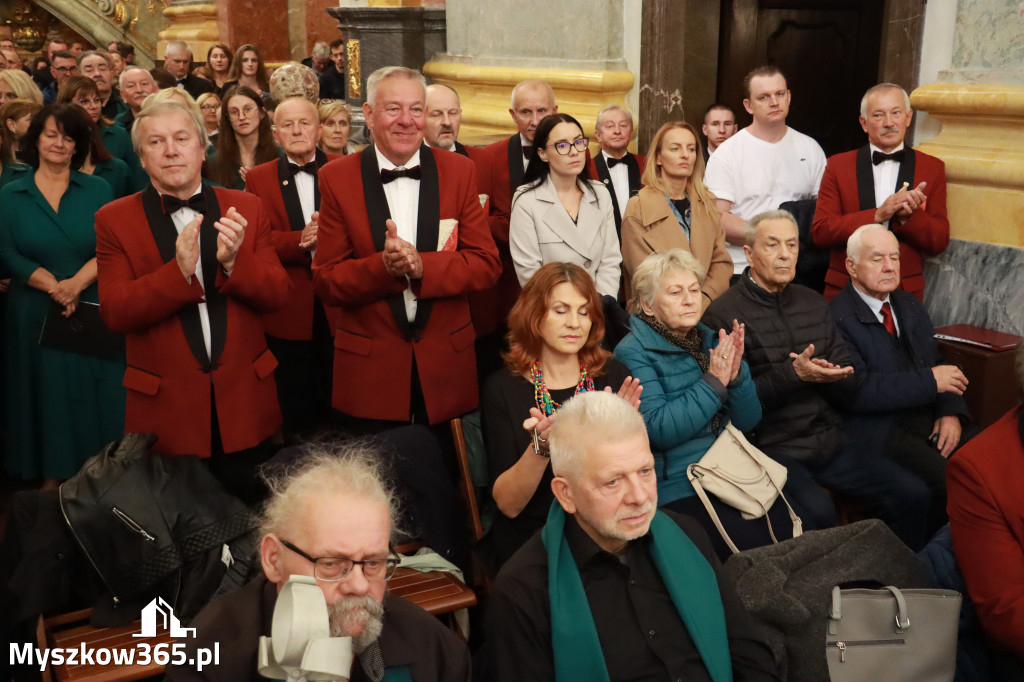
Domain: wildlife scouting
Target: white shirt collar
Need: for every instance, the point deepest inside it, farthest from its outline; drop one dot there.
(384, 163)
(874, 149)
(872, 302)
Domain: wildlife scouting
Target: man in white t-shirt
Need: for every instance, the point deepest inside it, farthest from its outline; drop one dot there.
(763, 165)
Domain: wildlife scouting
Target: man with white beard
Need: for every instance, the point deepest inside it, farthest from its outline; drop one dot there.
(330, 518)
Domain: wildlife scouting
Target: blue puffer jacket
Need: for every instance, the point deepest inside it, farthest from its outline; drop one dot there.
(678, 403)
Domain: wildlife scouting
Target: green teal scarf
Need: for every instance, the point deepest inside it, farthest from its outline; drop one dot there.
(687, 575)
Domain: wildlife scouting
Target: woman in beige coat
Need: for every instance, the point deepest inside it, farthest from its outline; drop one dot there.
(675, 210)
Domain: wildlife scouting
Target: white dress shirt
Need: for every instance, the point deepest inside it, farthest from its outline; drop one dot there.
(181, 218)
(885, 175)
(620, 181)
(403, 195)
(876, 306)
(526, 145)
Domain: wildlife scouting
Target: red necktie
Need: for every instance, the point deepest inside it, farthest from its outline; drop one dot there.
(890, 326)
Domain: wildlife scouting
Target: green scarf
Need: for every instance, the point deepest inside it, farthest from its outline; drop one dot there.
(687, 575)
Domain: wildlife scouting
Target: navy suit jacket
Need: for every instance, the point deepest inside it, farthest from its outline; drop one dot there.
(883, 387)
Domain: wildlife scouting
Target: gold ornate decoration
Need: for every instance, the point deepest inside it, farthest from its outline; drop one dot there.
(29, 25)
(355, 87)
(124, 13)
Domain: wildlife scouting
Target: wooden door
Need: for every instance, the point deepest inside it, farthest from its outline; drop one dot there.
(828, 50)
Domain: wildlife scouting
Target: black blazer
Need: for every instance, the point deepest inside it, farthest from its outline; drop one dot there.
(195, 86)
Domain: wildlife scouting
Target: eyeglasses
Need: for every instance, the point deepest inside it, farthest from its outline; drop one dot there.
(246, 112)
(563, 147)
(335, 569)
(210, 107)
(65, 69)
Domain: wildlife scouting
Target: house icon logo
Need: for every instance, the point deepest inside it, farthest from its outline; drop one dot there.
(159, 610)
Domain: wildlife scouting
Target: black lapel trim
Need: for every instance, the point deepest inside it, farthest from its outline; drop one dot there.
(290, 195)
(216, 302)
(515, 163)
(461, 149)
(605, 176)
(165, 235)
(906, 173)
(865, 179)
(427, 224)
(321, 160)
(635, 182)
(378, 213)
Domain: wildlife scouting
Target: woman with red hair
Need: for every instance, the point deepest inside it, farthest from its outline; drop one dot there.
(555, 333)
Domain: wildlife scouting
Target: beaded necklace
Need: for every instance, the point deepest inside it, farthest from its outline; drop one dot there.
(542, 397)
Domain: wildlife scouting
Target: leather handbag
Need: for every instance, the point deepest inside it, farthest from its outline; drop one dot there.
(892, 634)
(740, 475)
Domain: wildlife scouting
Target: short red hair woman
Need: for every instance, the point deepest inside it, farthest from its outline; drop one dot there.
(555, 333)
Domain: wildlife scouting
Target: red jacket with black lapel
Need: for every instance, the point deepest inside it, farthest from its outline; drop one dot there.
(846, 200)
(374, 343)
(273, 183)
(144, 296)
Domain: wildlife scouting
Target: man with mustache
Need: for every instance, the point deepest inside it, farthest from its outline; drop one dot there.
(96, 64)
(908, 405)
(883, 182)
(136, 84)
(805, 377)
(611, 588)
(331, 518)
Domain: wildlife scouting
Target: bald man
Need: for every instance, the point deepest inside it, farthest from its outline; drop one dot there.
(297, 334)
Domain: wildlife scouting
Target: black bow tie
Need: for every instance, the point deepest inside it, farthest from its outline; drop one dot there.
(527, 152)
(879, 157)
(613, 162)
(387, 176)
(307, 168)
(197, 202)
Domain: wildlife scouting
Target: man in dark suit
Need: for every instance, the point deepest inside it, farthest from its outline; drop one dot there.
(908, 405)
(298, 333)
(136, 84)
(887, 183)
(178, 61)
(186, 271)
(619, 169)
(62, 65)
(399, 264)
(332, 80)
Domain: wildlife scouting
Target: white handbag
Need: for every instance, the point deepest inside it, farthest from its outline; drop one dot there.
(743, 477)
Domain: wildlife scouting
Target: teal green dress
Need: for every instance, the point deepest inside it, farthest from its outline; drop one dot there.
(118, 142)
(14, 170)
(61, 407)
(116, 173)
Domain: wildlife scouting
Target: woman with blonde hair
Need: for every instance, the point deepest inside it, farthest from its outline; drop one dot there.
(209, 106)
(16, 84)
(675, 210)
(248, 69)
(336, 122)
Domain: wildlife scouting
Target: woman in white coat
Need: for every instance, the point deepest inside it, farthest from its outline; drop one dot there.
(559, 215)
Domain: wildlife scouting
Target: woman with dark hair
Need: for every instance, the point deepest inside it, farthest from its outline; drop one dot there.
(560, 215)
(674, 209)
(15, 117)
(62, 406)
(555, 333)
(99, 162)
(245, 139)
(217, 67)
(248, 69)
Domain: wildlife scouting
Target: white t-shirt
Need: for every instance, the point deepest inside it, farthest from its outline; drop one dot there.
(757, 176)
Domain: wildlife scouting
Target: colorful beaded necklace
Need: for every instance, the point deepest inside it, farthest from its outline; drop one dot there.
(542, 397)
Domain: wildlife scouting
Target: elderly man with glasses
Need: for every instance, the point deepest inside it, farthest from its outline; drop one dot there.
(331, 518)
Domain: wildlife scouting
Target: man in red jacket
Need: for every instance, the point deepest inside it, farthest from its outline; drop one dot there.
(883, 182)
(402, 241)
(186, 271)
(298, 333)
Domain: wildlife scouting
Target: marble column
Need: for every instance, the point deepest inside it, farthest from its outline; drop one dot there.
(578, 46)
(979, 102)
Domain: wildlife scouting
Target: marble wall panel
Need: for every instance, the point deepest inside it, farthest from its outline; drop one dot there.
(976, 283)
(987, 44)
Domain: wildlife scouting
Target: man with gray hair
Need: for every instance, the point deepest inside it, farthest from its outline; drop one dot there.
(96, 64)
(612, 588)
(805, 377)
(883, 182)
(330, 517)
(908, 404)
(186, 272)
(618, 168)
(135, 84)
(178, 62)
(319, 57)
(402, 241)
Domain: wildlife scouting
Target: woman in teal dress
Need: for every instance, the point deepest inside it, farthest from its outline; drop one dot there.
(114, 138)
(62, 406)
(15, 115)
(100, 161)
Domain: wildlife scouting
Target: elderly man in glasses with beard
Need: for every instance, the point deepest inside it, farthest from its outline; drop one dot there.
(330, 518)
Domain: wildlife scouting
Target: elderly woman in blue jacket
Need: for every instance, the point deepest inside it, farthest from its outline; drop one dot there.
(695, 382)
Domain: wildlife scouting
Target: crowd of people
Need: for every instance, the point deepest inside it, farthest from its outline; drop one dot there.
(608, 314)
